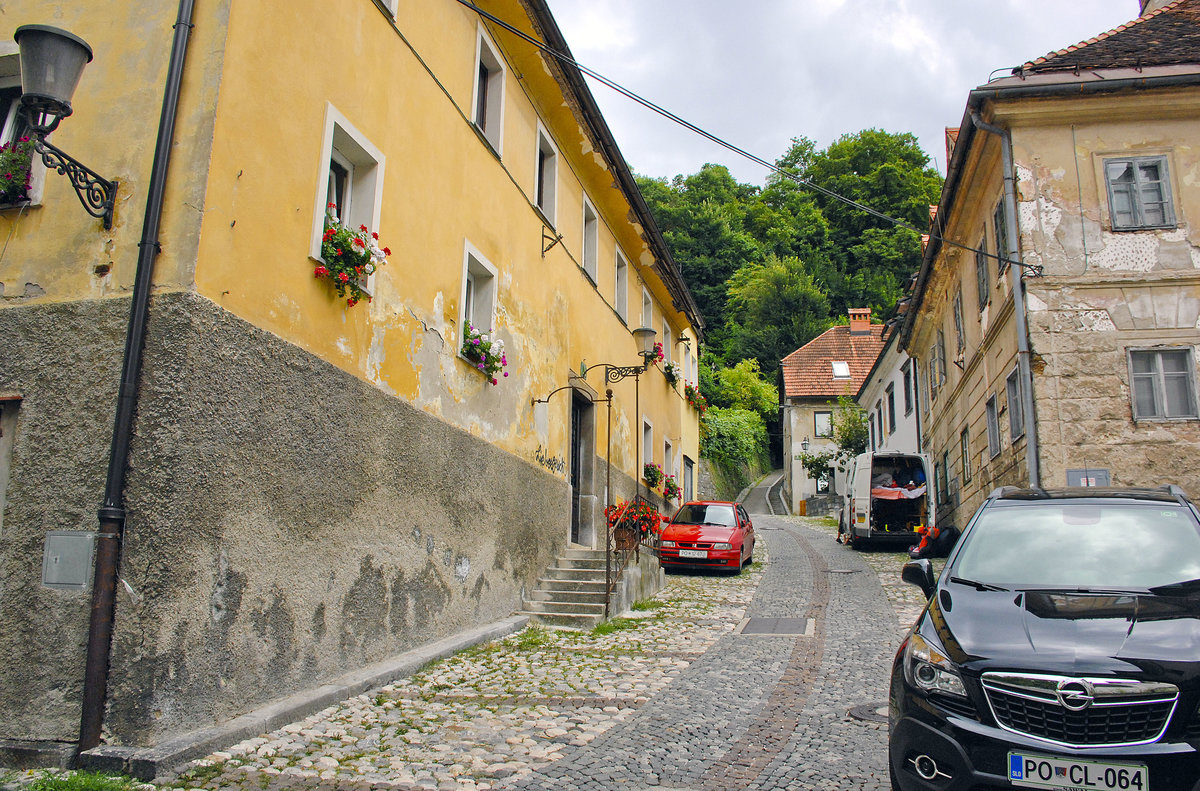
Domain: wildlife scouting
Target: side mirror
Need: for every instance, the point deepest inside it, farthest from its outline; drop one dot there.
(919, 573)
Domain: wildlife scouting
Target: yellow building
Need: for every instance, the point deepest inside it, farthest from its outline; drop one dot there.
(314, 485)
(1056, 316)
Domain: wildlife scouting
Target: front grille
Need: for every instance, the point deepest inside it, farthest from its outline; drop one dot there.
(1120, 713)
(955, 704)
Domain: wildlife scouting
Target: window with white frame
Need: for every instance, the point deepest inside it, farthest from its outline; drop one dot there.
(841, 369)
(647, 442)
(891, 408)
(822, 424)
(546, 177)
(1139, 193)
(647, 309)
(1016, 409)
(668, 458)
(993, 428)
(882, 427)
(478, 290)
(687, 362)
(350, 188)
(668, 342)
(621, 288)
(906, 375)
(591, 240)
(1164, 383)
(488, 98)
(14, 126)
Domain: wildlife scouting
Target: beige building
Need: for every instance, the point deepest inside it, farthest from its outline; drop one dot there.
(1055, 317)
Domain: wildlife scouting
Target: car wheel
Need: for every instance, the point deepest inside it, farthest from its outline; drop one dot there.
(892, 775)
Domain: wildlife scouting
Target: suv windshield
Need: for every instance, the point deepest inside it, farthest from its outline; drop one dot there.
(1081, 545)
(705, 514)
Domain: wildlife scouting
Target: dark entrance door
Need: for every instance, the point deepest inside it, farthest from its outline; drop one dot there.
(577, 413)
(688, 473)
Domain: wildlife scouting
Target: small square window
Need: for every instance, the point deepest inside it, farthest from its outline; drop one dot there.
(841, 369)
(822, 424)
(546, 178)
(488, 101)
(1164, 384)
(591, 240)
(1139, 193)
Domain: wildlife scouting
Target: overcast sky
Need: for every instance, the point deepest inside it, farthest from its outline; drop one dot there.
(760, 72)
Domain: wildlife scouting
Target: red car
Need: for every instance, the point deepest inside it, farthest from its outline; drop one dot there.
(707, 534)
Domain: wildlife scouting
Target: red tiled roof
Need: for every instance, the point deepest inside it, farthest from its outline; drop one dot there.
(808, 371)
(1168, 36)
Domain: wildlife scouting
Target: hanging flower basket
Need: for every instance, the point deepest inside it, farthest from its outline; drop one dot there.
(653, 475)
(348, 258)
(671, 490)
(694, 398)
(671, 371)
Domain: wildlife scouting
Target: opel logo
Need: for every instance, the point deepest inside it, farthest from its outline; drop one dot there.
(1075, 694)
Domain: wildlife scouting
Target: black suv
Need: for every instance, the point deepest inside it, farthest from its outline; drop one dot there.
(1060, 648)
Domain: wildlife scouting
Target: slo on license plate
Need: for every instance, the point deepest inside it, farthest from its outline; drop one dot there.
(1039, 771)
(693, 553)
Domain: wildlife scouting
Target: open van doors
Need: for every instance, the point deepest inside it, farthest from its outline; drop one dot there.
(889, 495)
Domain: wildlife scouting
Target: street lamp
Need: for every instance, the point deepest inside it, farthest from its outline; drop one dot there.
(804, 444)
(52, 61)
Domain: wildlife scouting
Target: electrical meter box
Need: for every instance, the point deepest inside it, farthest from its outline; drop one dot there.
(67, 559)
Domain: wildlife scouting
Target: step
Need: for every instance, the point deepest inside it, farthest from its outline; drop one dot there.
(581, 563)
(588, 586)
(564, 620)
(558, 606)
(575, 597)
(562, 573)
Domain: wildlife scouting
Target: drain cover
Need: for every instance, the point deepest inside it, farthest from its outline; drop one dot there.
(841, 571)
(795, 627)
(870, 712)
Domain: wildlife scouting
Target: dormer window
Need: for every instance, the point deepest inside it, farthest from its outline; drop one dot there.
(841, 369)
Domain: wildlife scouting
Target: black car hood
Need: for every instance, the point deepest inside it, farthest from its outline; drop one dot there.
(1067, 632)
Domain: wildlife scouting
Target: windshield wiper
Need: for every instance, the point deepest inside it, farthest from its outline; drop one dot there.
(1176, 588)
(979, 586)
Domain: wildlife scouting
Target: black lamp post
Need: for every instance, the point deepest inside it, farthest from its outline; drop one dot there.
(52, 61)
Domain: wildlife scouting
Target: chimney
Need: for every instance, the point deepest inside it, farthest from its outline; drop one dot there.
(860, 321)
(1148, 6)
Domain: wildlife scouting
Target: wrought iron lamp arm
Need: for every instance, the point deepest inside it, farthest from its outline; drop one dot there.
(96, 193)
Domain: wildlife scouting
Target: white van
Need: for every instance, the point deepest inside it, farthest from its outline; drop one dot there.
(888, 495)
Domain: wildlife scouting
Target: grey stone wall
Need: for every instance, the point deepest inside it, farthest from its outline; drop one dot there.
(287, 522)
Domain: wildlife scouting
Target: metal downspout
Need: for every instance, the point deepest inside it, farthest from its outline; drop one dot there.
(1017, 274)
(112, 513)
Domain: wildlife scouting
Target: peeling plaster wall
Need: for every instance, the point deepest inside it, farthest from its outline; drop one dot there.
(1105, 292)
(287, 522)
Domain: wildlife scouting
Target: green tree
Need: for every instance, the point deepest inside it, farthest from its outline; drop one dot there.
(774, 308)
(743, 387)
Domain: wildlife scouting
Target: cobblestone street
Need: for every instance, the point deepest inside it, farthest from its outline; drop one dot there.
(773, 679)
(674, 697)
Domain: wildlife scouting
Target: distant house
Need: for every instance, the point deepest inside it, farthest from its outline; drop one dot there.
(1055, 318)
(889, 397)
(835, 363)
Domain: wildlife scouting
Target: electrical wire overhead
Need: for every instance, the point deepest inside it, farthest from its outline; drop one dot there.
(771, 166)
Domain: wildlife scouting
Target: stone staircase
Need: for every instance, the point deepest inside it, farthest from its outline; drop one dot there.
(571, 594)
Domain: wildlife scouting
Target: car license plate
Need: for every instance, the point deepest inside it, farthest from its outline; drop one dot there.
(1040, 771)
(693, 553)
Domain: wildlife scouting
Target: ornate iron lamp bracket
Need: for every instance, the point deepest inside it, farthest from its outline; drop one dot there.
(97, 194)
(615, 373)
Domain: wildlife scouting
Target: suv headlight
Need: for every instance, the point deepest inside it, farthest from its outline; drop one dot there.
(928, 669)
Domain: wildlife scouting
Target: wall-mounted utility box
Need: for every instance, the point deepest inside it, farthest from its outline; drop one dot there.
(1088, 477)
(67, 559)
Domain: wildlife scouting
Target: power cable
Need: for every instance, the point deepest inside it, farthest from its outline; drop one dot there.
(771, 166)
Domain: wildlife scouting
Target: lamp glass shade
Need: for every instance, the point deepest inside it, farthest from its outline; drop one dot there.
(52, 62)
(645, 340)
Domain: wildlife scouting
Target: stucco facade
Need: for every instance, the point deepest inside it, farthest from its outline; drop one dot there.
(313, 486)
(1106, 307)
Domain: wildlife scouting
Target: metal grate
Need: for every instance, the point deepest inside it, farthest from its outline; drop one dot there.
(956, 705)
(1111, 720)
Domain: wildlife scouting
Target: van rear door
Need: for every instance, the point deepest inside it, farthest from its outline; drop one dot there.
(860, 494)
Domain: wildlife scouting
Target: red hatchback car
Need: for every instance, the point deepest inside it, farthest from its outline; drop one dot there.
(707, 534)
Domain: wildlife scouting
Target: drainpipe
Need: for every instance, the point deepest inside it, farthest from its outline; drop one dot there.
(1017, 274)
(112, 513)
